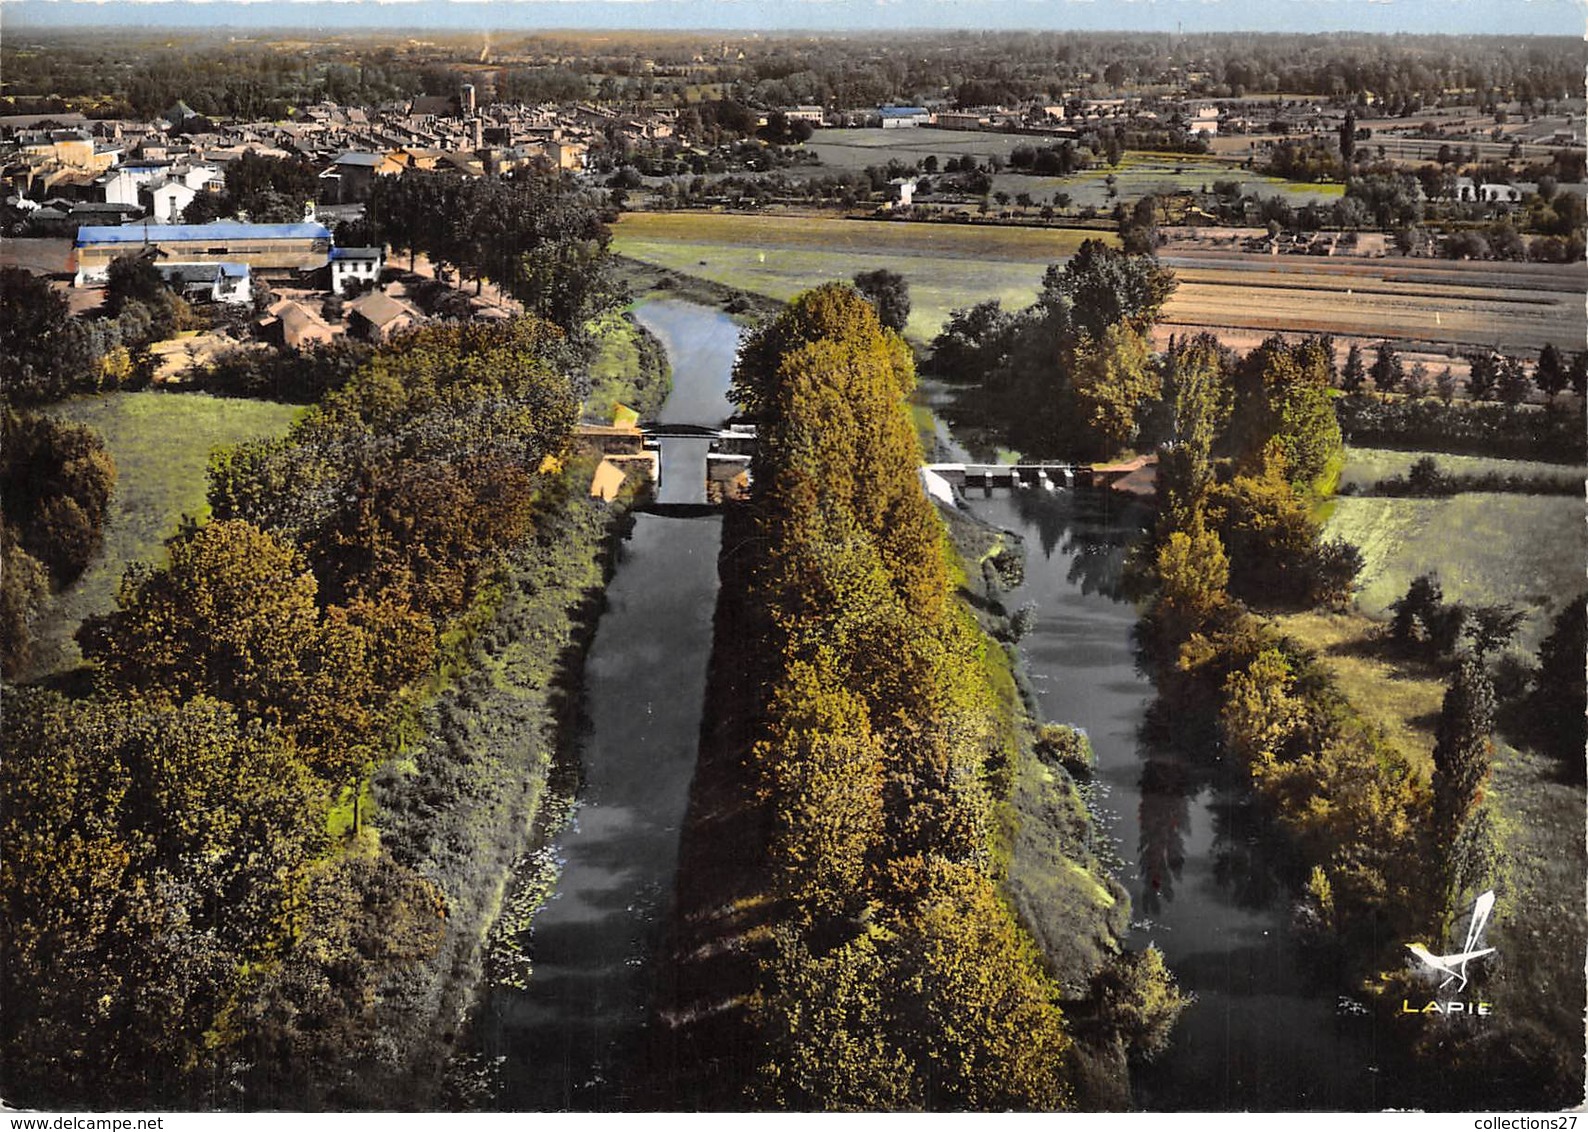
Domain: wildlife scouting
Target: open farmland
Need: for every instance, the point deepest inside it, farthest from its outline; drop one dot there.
(1515, 307)
(1441, 305)
(161, 443)
(1139, 174)
(1366, 466)
(947, 265)
(1527, 550)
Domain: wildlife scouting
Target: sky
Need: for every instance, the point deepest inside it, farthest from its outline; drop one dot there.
(1461, 17)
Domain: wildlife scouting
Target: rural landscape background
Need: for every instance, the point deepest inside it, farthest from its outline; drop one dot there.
(878, 565)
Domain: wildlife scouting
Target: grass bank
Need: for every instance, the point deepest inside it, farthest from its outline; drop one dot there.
(628, 365)
(1533, 1043)
(161, 443)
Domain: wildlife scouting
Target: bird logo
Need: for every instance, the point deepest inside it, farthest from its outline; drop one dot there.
(1454, 966)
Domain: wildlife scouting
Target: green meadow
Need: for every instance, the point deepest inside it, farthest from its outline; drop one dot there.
(161, 443)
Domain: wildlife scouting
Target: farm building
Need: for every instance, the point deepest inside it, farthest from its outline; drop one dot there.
(268, 247)
(210, 282)
(897, 117)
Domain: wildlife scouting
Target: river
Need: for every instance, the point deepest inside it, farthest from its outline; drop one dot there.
(1203, 881)
(569, 1036)
(1204, 877)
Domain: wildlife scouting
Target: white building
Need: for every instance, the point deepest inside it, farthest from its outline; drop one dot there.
(168, 201)
(362, 265)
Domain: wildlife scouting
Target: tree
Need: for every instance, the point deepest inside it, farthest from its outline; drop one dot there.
(1105, 286)
(1193, 584)
(41, 356)
(1388, 371)
(1417, 382)
(1491, 628)
(1560, 695)
(1482, 374)
(152, 858)
(1445, 385)
(1354, 376)
(233, 617)
(1578, 376)
(24, 587)
(1463, 751)
(889, 292)
(56, 482)
(1550, 373)
(1348, 137)
(134, 279)
(1112, 377)
(1513, 384)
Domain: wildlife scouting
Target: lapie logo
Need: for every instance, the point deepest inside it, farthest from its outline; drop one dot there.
(1454, 966)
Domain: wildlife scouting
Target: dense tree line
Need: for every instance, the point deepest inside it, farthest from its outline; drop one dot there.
(268, 190)
(537, 235)
(1405, 74)
(897, 976)
(222, 946)
(56, 481)
(1068, 376)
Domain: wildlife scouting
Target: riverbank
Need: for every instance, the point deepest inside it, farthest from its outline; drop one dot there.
(459, 805)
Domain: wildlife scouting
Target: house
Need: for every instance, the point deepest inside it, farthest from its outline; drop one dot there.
(352, 175)
(377, 317)
(278, 247)
(901, 191)
(210, 282)
(361, 265)
(903, 117)
(169, 200)
(815, 115)
(1204, 121)
(292, 326)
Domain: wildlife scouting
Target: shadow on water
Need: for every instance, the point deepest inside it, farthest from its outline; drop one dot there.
(568, 1039)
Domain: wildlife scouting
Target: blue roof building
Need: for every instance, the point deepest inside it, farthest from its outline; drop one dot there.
(297, 247)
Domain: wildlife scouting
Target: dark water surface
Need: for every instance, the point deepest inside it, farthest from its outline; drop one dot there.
(1201, 876)
(571, 1036)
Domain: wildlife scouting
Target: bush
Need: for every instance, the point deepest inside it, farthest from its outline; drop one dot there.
(1067, 747)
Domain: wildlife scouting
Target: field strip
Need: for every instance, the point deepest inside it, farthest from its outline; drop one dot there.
(1346, 287)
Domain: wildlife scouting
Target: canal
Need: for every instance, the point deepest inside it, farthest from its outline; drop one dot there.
(569, 1036)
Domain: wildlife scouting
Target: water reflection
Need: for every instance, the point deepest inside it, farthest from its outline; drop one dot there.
(1164, 813)
(1208, 885)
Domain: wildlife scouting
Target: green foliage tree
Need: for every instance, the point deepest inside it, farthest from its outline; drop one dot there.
(152, 856)
(24, 587)
(1354, 377)
(1137, 997)
(1112, 376)
(56, 482)
(889, 292)
(1513, 384)
(234, 617)
(1104, 286)
(40, 353)
(1463, 751)
(1550, 374)
(1483, 373)
(1388, 371)
(1560, 690)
